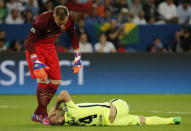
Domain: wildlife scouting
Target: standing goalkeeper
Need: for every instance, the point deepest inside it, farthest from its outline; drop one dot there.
(42, 59)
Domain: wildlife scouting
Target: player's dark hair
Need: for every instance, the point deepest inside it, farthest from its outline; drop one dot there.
(61, 12)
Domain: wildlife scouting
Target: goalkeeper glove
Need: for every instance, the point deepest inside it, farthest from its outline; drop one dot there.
(39, 68)
(77, 62)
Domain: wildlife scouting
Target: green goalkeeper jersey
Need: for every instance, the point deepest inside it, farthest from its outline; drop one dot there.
(87, 114)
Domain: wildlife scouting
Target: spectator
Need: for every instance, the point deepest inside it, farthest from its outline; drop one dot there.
(49, 6)
(184, 12)
(63, 2)
(123, 4)
(78, 10)
(100, 8)
(3, 37)
(25, 2)
(168, 12)
(42, 5)
(104, 46)
(108, 17)
(118, 5)
(81, 27)
(85, 46)
(157, 2)
(108, 4)
(185, 39)
(113, 33)
(59, 47)
(151, 20)
(2, 34)
(134, 8)
(74, 5)
(93, 18)
(3, 12)
(28, 17)
(123, 16)
(31, 6)
(3, 46)
(176, 47)
(13, 4)
(157, 46)
(140, 20)
(14, 18)
(150, 10)
(15, 46)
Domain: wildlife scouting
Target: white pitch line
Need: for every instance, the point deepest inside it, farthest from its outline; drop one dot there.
(168, 112)
(4, 106)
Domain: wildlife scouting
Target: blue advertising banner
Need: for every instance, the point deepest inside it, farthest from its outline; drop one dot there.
(104, 73)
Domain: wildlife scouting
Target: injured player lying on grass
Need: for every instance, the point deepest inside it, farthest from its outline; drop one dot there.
(114, 113)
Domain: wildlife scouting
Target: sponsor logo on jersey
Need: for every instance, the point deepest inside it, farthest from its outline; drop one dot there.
(33, 30)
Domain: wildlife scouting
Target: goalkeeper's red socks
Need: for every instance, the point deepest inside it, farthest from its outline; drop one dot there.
(42, 99)
(51, 90)
(44, 95)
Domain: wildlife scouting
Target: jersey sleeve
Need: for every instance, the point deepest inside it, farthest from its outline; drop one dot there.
(36, 31)
(70, 104)
(73, 34)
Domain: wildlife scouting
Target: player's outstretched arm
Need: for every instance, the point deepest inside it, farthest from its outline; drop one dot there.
(75, 45)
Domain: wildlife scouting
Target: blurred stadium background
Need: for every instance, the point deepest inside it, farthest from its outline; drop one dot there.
(146, 60)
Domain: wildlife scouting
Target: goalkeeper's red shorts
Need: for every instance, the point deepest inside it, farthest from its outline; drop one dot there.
(47, 55)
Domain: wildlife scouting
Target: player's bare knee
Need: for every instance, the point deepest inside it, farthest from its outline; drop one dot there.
(56, 82)
(42, 81)
(142, 120)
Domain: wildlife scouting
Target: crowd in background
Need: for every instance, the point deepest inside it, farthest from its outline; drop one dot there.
(114, 12)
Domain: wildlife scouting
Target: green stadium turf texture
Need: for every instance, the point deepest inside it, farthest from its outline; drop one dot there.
(16, 110)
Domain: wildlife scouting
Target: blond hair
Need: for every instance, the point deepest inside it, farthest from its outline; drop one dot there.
(61, 12)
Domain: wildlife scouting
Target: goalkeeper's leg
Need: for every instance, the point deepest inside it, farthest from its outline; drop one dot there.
(45, 92)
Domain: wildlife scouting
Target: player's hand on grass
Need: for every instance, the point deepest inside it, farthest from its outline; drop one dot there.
(39, 68)
(77, 62)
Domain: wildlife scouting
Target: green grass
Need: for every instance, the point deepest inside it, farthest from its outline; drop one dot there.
(16, 110)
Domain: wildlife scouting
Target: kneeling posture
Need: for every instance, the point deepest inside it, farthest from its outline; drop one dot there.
(115, 113)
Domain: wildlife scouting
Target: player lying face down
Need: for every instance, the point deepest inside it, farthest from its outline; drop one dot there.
(115, 113)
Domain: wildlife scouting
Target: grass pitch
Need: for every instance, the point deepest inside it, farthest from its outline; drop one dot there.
(16, 110)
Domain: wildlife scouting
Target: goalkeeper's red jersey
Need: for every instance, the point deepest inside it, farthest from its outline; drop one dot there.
(45, 31)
